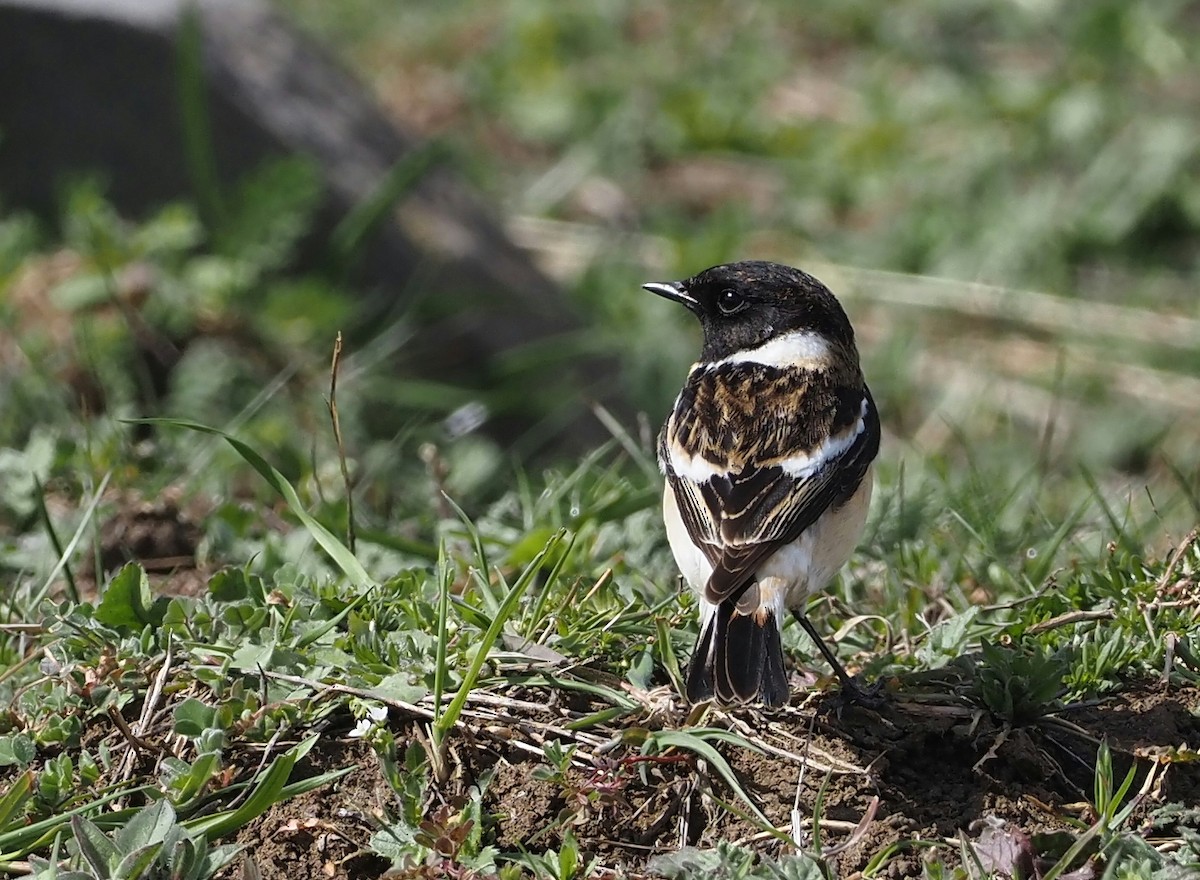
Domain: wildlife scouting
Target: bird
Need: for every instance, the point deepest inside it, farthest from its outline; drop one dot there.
(767, 455)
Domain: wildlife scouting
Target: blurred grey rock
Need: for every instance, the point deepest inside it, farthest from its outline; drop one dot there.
(92, 86)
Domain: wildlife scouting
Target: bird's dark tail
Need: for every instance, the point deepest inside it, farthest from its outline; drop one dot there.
(738, 659)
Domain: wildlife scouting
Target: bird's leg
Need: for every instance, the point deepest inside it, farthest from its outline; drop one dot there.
(851, 689)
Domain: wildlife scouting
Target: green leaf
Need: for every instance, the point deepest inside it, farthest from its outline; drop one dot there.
(799, 867)
(127, 603)
(149, 826)
(192, 717)
(79, 292)
(186, 780)
(181, 853)
(568, 856)
(641, 671)
(97, 850)
(14, 800)
(17, 749)
(947, 639)
(191, 781)
(228, 585)
(23, 472)
(398, 687)
(316, 632)
(726, 860)
(249, 658)
(218, 857)
(133, 866)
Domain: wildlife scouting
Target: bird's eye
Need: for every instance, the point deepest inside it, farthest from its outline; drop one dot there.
(730, 301)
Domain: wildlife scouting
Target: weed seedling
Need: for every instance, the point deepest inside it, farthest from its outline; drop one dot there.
(1017, 686)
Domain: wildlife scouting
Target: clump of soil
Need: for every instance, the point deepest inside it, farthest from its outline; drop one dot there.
(160, 534)
(157, 533)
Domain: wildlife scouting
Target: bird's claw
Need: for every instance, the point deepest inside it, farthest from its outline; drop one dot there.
(854, 692)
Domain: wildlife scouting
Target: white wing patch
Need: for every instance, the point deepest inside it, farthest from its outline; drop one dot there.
(804, 465)
(696, 468)
(800, 348)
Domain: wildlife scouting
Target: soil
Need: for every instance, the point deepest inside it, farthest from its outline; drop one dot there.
(323, 833)
(928, 770)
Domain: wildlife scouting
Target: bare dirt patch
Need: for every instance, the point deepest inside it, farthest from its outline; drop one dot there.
(935, 770)
(324, 833)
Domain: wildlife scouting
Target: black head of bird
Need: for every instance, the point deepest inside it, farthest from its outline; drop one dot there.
(744, 305)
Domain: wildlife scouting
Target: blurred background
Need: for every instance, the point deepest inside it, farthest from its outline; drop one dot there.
(1004, 195)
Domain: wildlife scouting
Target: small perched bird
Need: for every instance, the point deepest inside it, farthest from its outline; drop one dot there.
(767, 455)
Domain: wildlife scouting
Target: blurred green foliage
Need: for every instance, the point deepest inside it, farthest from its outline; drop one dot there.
(1043, 144)
(1046, 145)
(1034, 146)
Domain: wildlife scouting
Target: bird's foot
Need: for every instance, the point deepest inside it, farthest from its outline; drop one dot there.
(855, 692)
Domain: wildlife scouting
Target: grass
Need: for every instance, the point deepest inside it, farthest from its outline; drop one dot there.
(444, 622)
(222, 618)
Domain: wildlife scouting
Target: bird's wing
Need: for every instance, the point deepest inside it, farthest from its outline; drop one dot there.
(746, 490)
(696, 511)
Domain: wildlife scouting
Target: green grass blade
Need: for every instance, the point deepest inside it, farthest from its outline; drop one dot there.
(546, 679)
(63, 557)
(696, 741)
(752, 819)
(604, 716)
(199, 155)
(312, 783)
(400, 543)
(55, 542)
(535, 617)
(444, 575)
(1073, 852)
(641, 457)
(481, 557)
(1185, 487)
(507, 607)
(338, 552)
(267, 792)
(666, 655)
(20, 841)
(348, 237)
(1124, 539)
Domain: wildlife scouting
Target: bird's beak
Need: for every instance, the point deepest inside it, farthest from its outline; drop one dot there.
(673, 290)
